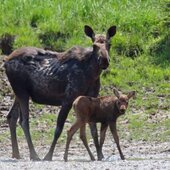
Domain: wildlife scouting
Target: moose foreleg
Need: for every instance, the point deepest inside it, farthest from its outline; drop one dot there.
(59, 127)
(116, 138)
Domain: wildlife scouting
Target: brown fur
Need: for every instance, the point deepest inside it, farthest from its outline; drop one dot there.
(105, 110)
(76, 52)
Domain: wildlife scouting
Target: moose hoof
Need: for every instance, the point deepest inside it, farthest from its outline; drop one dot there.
(93, 159)
(65, 158)
(122, 157)
(16, 156)
(35, 158)
(48, 158)
(100, 157)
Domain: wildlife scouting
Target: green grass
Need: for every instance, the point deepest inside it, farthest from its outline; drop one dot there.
(140, 53)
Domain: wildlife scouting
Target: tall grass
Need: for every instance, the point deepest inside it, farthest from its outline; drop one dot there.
(136, 20)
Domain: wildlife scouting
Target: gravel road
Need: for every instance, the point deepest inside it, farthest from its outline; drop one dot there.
(139, 156)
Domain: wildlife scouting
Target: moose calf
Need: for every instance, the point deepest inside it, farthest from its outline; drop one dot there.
(105, 110)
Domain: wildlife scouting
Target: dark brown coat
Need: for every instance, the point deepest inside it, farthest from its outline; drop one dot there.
(53, 78)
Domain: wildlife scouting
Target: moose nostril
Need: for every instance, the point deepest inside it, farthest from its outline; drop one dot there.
(122, 110)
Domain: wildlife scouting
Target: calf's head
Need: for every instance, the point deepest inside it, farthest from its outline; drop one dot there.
(101, 44)
(122, 101)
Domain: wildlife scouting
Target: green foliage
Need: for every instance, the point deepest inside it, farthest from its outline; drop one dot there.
(139, 23)
(160, 49)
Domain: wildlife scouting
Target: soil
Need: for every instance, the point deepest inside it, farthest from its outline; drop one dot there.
(138, 154)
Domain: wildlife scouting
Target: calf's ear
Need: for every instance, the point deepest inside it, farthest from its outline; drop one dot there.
(116, 92)
(131, 94)
(89, 32)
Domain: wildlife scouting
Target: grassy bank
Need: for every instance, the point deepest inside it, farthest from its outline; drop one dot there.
(140, 53)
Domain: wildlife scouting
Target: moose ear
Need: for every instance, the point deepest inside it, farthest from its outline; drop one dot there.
(89, 32)
(131, 94)
(116, 92)
(111, 32)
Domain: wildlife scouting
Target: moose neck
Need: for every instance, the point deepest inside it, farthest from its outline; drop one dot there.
(93, 69)
(116, 110)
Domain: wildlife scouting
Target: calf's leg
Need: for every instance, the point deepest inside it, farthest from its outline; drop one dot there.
(70, 134)
(12, 118)
(103, 129)
(94, 134)
(84, 139)
(116, 138)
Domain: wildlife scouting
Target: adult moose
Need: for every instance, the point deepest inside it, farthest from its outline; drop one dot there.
(54, 78)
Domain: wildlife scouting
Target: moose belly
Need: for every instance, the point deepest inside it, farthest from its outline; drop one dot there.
(101, 118)
(47, 93)
(48, 100)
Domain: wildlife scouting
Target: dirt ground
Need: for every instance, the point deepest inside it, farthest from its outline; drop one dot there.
(139, 155)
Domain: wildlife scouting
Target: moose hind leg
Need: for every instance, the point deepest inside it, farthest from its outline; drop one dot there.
(70, 134)
(12, 118)
(94, 134)
(24, 122)
(84, 139)
(103, 129)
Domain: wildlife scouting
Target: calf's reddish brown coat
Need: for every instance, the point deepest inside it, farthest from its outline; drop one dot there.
(105, 110)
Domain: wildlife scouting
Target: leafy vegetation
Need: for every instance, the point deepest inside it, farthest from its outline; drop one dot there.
(140, 53)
